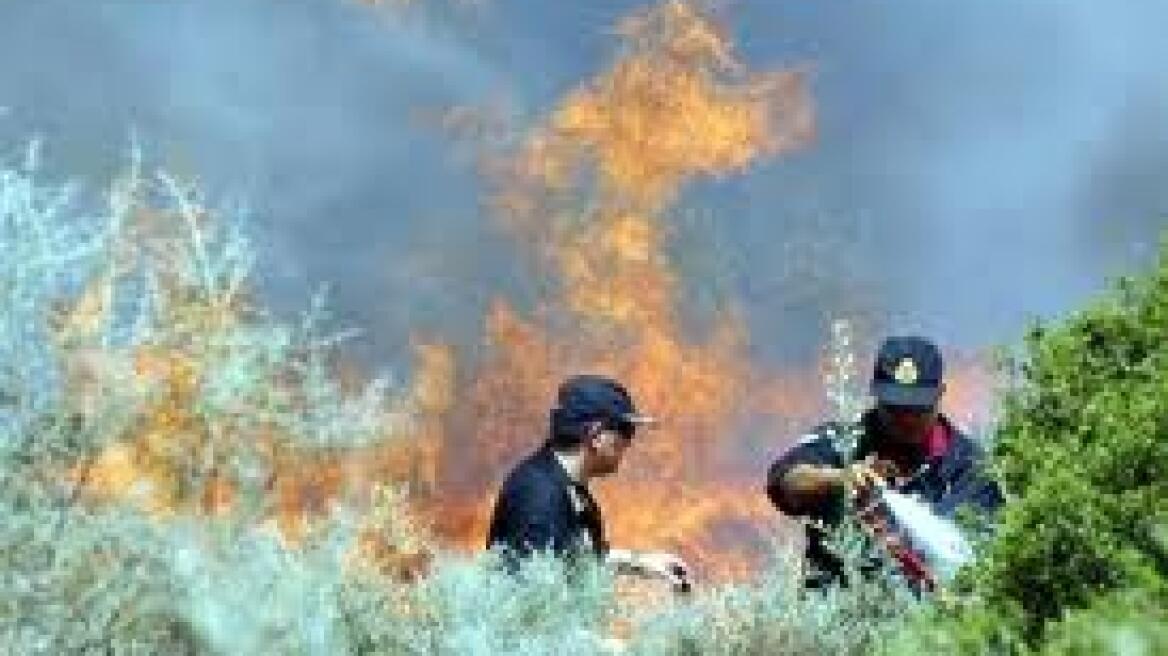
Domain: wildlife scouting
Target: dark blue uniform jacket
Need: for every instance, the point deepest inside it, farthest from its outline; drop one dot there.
(953, 480)
(534, 511)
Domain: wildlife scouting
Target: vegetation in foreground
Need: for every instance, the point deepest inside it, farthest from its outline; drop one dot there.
(129, 341)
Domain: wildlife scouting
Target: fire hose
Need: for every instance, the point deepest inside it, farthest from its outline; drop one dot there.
(928, 549)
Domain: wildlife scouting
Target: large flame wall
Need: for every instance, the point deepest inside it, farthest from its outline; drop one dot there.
(587, 191)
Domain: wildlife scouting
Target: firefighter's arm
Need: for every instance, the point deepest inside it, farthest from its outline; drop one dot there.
(806, 478)
(810, 476)
(809, 486)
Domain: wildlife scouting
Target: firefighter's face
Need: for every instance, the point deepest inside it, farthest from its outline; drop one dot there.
(909, 426)
(605, 450)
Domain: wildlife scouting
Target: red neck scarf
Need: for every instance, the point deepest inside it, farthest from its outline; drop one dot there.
(937, 441)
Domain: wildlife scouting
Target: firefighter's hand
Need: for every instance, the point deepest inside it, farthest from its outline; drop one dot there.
(664, 566)
(861, 480)
(885, 469)
(865, 475)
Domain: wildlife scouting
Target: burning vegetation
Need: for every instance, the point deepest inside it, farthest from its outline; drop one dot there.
(587, 191)
(158, 419)
(202, 478)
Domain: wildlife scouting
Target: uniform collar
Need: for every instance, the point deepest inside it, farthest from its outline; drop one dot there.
(938, 441)
(571, 464)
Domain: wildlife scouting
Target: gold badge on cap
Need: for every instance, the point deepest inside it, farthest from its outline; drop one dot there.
(906, 372)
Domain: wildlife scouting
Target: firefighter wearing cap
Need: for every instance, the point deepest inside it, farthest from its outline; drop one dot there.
(545, 503)
(904, 441)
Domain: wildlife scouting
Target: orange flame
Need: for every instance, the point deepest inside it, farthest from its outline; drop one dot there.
(586, 191)
(171, 458)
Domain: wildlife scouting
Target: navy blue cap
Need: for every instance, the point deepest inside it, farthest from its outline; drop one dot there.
(584, 399)
(907, 373)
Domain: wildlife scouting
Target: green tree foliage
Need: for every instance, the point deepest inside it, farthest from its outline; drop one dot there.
(1079, 559)
(1083, 448)
(1128, 622)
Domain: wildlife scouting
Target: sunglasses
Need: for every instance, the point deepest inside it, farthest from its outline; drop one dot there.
(624, 429)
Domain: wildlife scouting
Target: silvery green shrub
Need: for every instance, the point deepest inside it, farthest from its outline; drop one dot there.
(90, 577)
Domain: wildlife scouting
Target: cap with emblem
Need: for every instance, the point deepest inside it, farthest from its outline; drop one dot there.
(907, 372)
(588, 398)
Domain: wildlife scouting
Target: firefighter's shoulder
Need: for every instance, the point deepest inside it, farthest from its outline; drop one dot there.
(818, 446)
(826, 435)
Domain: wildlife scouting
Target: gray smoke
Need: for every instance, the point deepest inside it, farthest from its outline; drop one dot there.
(983, 162)
(317, 114)
(978, 163)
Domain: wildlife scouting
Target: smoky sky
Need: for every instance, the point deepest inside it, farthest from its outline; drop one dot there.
(977, 164)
